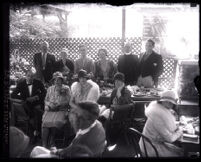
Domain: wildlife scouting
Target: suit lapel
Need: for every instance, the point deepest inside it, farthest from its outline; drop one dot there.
(40, 59)
(26, 89)
(46, 61)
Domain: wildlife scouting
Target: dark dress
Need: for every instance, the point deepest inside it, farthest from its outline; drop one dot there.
(69, 63)
(115, 131)
(109, 72)
(128, 65)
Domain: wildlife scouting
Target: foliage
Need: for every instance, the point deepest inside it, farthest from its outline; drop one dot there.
(24, 25)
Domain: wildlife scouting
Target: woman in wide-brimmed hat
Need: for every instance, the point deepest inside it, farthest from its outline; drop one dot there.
(161, 126)
(56, 105)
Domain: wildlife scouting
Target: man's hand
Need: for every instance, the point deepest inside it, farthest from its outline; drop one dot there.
(32, 99)
(53, 150)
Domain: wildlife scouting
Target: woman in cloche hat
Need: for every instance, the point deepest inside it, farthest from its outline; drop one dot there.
(161, 126)
(56, 105)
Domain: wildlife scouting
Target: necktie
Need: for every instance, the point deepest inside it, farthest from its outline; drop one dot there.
(44, 60)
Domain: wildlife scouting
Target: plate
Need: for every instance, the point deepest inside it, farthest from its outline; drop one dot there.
(139, 95)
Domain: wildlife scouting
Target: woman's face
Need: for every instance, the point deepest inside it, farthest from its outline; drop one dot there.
(168, 104)
(102, 54)
(83, 51)
(63, 55)
(82, 81)
(58, 81)
(118, 83)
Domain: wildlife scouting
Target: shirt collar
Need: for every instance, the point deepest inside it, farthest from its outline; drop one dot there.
(84, 131)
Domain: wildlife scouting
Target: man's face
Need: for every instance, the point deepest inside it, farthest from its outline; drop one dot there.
(29, 77)
(127, 48)
(83, 51)
(149, 46)
(76, 118)
(44, 47)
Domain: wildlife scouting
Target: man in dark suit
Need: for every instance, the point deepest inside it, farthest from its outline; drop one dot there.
(128, 64)
(150, 66)
(32, 92)
(44, 63)
(90, 135)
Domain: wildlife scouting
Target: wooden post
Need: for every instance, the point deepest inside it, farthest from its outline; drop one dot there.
(123, 26)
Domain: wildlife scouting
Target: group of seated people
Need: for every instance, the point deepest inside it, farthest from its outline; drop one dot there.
(76, 103)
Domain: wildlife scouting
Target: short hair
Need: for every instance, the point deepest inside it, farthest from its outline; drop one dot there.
(91, 108)
(119, 76)
(45, 43)
(30, 69)
(127, 43)
(151, 41)
(82, 45)
(104, 50)
(64, 50)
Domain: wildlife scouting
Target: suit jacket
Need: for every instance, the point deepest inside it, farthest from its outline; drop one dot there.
(94, 140)
(88, 66)
(152, 65)
(128, 65)
(22, 92)
(45, 74)
(69, 63)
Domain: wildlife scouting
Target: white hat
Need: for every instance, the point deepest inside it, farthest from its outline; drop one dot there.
(170, 96)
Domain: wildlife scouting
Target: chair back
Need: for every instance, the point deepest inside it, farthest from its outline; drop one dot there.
(134, 137)
(19, 117)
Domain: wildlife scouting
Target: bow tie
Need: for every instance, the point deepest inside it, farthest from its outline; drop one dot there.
(29, 84)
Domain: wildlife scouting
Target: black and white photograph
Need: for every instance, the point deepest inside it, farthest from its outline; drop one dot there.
(96, 80)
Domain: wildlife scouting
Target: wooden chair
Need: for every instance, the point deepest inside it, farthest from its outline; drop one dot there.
(19, 117)
(134, 137)
(122, 118)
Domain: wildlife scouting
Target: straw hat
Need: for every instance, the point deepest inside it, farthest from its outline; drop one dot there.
(170, 96)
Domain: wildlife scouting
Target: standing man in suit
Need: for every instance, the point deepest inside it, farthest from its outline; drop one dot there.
(32, 92)
(44, 63)
(150, 67)
(90, 135)
(128, 65)
(84, 62)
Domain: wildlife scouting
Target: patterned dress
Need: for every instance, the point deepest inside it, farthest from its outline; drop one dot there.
(51, 117)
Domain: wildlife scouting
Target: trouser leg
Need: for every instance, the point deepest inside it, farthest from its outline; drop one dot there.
(38, 117)
(52, 136)
(45, 136)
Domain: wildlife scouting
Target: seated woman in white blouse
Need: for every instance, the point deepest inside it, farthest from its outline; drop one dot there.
(84, 90)
(161, 127)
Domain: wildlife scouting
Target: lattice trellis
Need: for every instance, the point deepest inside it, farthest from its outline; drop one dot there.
(167, 78)
(29, 47)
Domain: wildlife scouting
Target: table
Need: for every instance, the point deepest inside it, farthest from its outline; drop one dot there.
(191, 148)
(191, 145)
(105, 99)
